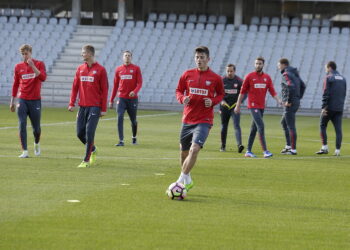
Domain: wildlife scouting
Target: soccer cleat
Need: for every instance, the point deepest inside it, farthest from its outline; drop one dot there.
(240, 148)
(285, 150)
(322, 152)
(92, 160)
(336, 152)
(37, 149)
(24, 154)
(267, 154)
(290, 152)
(222, 149)
(189, 186)
(84, 164)
(249, 154)
(134, 141)
(120, 144)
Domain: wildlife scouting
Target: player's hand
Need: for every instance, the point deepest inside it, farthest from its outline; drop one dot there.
(103, 114)
(110, 105)
(132, 94)
(70, 108)
(12, 107)
(287, 104)
(324, 112)
(223, 103)
(30, 62)
(186, 100)
(237, 110)
(207, 102)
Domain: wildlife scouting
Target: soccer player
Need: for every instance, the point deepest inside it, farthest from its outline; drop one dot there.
(232, 85)
(333, 98)
(28, 76)
(127, 82)
(199, 89)
(293, 89)
(91, 83)
(256, 84)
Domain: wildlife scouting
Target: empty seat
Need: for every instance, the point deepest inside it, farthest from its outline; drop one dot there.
(23, 19)
(17, 12)
(180, 26)
(255, 20)
(53, 21)
(159, 25)
(305, 22)
(314, 30)
(263, 28)
(190, 26)
(273, 29)
(130, 24)
(294, 29)
(3, 19)
(170, 25)
(345, 31)
(275, 21)
(295, 21)
(63, 21)
(335, 30)
(210, 26)
(162, 17)
(13, 19)
(37, 13)
(202, 19)
(7, 12)
(326, 23)
(73, 21)
(222, 19)
(192, 18)
(152, 17)
(46, 13)
(242, 27)
(200, 26)
(285, 21)
(316, 22)
(283, 29)
(253, 28)
(212, 19)
(220, 27)
(324, 30)
(172, 18)
(304, 30)
(43, 20)
(182, 18)
(265, 20)
(150, 25)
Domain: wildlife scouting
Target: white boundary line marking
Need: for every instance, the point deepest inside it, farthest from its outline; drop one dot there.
(103, 119)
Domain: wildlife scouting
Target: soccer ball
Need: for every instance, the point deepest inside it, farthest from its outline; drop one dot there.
(176, 191)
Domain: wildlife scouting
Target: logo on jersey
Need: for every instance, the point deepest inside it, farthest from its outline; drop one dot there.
(338, 77)
(207, 83)
(87, 79)
(94, 72)
(131, 70)
(231, 91)
(265, 79)
(123, 77)
(260, 85)
(196, 91)
(28, 76)
(235, 85)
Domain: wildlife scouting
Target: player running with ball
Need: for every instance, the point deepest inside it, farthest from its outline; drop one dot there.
(199, 89)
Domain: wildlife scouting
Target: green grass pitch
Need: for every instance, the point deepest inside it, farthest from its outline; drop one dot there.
(287, 202)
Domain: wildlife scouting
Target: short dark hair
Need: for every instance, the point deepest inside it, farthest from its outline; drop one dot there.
(284, 61)
(89, 48)
(332, 65)
(260, 58)
(127, 51)
(231, 65)
(202, 49)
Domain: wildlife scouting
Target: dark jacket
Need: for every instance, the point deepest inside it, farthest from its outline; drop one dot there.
(334, 92)
(232, 89)
(293, 87)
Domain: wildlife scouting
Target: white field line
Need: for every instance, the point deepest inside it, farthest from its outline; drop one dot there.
(103, 119)
(176, 158)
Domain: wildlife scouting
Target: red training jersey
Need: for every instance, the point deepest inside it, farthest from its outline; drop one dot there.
(199, 85)
(127, 78)
(92, 85)
(256, 85)
(26, 85)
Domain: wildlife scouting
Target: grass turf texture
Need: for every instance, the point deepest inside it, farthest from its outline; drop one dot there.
(287, 202)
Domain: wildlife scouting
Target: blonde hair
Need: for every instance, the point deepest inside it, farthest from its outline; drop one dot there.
(25, 47)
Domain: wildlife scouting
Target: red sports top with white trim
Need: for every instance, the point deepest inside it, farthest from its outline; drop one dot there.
(127, 78)
(256, 85)
(199, 85)
(92, 85)
(26, 85)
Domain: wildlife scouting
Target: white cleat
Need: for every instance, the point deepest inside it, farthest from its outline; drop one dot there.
(37, 149)
(24, 154)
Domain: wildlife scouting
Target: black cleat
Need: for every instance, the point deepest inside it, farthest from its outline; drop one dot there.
(134, 141)
(240, 148)
(120, 144)
(222, 149)
(322, 152)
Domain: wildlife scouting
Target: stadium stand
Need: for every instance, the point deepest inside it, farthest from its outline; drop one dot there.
(163, 48)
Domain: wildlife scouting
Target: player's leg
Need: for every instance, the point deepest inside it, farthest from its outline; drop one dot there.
(290, 120)
(132, 112)
(91, 125)
(22, 112)
(251, 138)
(121, 107)
(81, 124)
(200, 135)
(238, 132)
(185, 145)
(225, 118)
(35, 116)
(259, 122)
(286, 132)
(324, 119)
(337, 123)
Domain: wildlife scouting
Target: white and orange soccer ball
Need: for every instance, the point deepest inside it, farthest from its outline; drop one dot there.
(176, 191)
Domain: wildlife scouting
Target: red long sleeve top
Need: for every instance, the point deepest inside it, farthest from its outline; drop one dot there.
(256, 85)
(92, 85)
(127, 78)
(199, 85)
(26, 85)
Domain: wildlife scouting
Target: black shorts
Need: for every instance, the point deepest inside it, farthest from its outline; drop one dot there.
(194, 133)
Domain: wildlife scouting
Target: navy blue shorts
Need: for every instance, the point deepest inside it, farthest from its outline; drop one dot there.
(194, 133)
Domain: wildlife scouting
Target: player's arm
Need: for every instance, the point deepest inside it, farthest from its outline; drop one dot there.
(115, 88)
(15, 87)
(104, 88)
(237, 109)
(138, 83)
(273, 92)
(180, 91)
(74, 92)
(242, 93)
(219, 94)
(326, 95)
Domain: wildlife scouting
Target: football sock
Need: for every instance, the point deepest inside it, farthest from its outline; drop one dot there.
(188, 178)
(325, 147)
(181, 178)
(287, 147)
